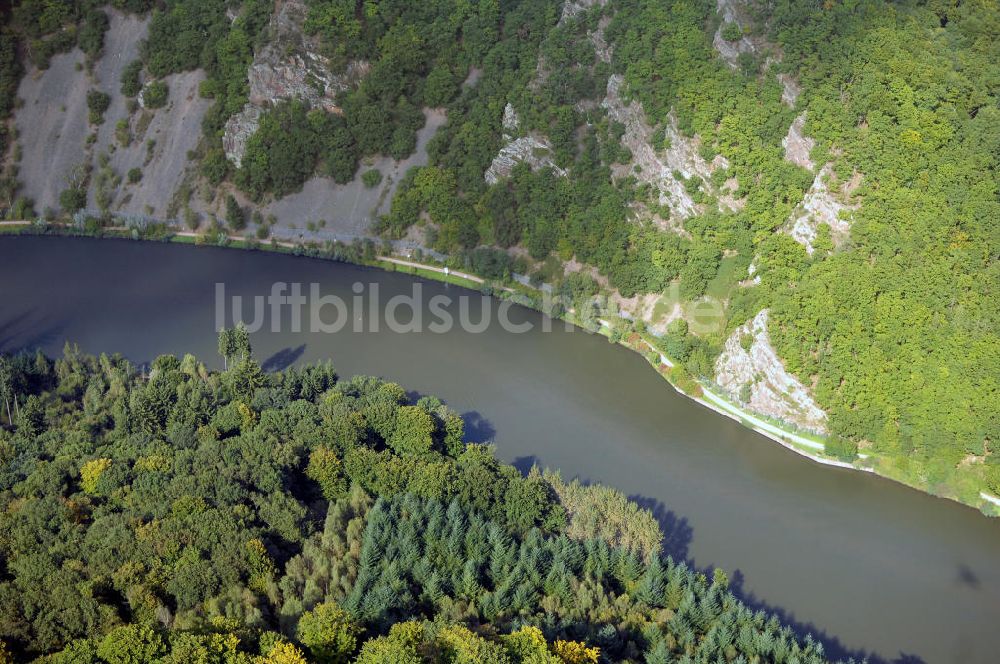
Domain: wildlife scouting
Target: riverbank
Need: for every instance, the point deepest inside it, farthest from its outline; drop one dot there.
(619, 331)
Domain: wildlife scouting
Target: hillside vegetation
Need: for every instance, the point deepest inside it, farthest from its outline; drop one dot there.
(180, 515)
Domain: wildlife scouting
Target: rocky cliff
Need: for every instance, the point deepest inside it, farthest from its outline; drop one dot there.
(751, 373)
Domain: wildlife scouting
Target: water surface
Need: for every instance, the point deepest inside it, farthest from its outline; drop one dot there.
(869, 566)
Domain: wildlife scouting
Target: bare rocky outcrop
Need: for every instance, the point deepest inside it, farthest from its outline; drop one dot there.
(790, 89)
(821, 206)
(659, 168)
(732, 11)
(753, 279)
(772, 390)
(731, 51)
(510, 122)
(288, 66)
(797, 145)
(532, 149)
(239, 129)
(602, 49)
(572, 8)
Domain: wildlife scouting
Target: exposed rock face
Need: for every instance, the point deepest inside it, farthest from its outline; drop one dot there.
(602, 49)
(288, 66)
(820, 206)
(773, 391)
(732, 12)
(510, 123)
(657, 168)
(790, 90)
(533, 150)
(753, 279)
(797, 145)
(300, 77)
(573, 7)
(239, 129)
(730, 51)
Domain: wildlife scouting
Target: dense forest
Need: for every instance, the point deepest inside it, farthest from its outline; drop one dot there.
(181, 515)
(893, 325)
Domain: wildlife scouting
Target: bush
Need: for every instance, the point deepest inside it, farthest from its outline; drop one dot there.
(97, 103)
(235, 216)
(131, 79)
(841, 448)
(155, 95)
(91, 35)
(134, 175)
(440, 86)
(215, 166)
(72, 199)
(123, 133)
(371, 177)
(490, 263)
(731, 32)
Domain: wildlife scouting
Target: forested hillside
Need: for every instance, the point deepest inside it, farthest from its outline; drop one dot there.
(823, 175)
(180, 515)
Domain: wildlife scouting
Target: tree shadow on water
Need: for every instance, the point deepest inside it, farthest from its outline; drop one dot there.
(283, 359)
(478, 429)
(524, 464)
(677, 531)
(677, 537)
(834, 648)
(25, 332)
(967, 577)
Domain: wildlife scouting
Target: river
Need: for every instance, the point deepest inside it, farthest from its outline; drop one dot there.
(868, 566)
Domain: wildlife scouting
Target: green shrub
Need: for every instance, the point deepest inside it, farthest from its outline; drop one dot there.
(731, 32)
(97, 103)
(371, 177)
(841, 448)
(72, 199)
(132, 79)
(235, 216)
(155, 95)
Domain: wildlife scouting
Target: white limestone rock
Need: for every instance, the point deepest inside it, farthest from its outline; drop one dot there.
(239, 129)
(820, 206)
(772, 390)
(532, 150)
(797, 145)
(658, 167)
